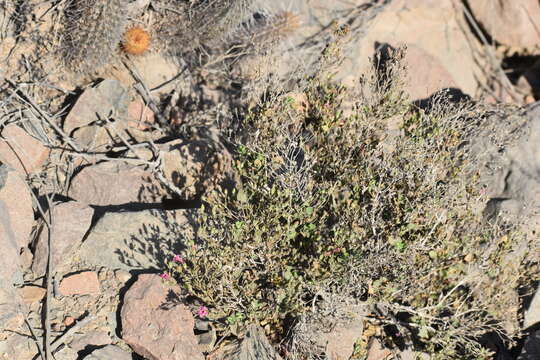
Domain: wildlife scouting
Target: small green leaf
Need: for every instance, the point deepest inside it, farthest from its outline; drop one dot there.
(242, 196)
(423, 333)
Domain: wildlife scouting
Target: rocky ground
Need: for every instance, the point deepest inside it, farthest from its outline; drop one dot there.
(97, 170)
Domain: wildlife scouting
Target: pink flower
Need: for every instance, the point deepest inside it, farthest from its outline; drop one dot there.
(202, 312)
(178, 259)
(164, 276)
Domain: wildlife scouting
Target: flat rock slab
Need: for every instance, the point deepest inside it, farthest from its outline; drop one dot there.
(21, 151)
(155, 327)
(71, 221)
(31, 294)
(134, 240)
(109, 352)
(94, 338)
(84, 283)
(113, 183)
(16, 212)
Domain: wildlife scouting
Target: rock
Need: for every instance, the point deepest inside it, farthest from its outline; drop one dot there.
(68, 321)
(148, 326)
(195, 167)
(514, 194)
(84, 283)
(65, 353)
(207, 338)
(18, 347)
(339, 342)
(94, 338)
(21, 151)
(109, 352)
(140, 116)
(531, 349)
(15, 209)
(71, 221)
(377, 352)
(16, 212)
(26, 258)
(425, 74)
(155, 70)
(11, 317)
(114, 183)
(97, 103)
(529, 82)
(122, 276)
(134, 240)
(532, 314)
(514, 23)
(107, 100)
(254, 346)
(439, 48)
(31, 294)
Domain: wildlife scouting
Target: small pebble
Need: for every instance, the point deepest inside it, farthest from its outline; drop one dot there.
(68, 321)
(122, 276)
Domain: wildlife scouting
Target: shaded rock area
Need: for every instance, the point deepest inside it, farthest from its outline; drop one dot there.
(155, 325)
(532, 314)
(132, 240)
(510, 146)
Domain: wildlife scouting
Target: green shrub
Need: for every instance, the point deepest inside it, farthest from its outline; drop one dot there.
(326, 196)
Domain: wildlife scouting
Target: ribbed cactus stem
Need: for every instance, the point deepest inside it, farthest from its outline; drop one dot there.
(92, 33)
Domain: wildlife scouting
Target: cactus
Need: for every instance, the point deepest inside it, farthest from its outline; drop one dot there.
(216, 18)
(22, 9)
(92, 33)
(265, 33)
(185, 27)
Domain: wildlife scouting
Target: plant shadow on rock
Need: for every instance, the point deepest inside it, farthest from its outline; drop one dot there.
(157, 244)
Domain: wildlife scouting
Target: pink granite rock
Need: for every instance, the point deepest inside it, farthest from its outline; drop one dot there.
(155, 331)
(94, 338)
(71, 221)
(17, 218)
(84, 283)
(20, 150)
(112, 183)
(514, 23)
(140, 116)
(31, 294)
